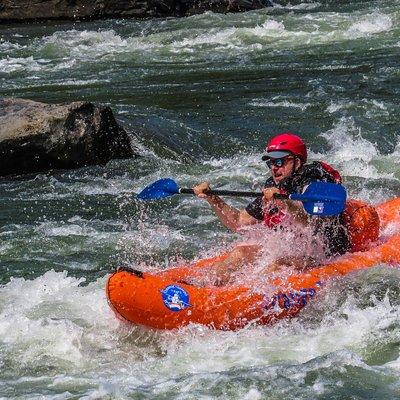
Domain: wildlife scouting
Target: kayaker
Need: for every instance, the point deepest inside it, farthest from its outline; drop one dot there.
(286, 157)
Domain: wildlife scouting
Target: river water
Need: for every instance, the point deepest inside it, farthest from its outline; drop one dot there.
(203, 94)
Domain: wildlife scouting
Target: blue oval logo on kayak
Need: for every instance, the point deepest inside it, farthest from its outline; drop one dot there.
(175, 298)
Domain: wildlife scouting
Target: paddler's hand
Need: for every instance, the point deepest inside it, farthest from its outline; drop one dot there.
(200, 189)
(268, 193)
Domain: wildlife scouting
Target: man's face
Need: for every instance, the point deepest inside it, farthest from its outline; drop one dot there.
(282, 168)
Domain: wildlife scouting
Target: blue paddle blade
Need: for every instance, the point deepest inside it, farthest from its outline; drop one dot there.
(159, 189)
(322, 199)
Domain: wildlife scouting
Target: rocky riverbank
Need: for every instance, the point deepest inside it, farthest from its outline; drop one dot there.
(36, 10)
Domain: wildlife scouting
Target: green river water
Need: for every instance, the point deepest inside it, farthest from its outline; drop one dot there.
(202, 95)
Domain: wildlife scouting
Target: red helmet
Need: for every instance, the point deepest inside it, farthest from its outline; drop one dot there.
(285, 143)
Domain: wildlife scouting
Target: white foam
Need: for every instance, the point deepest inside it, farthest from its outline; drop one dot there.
(301, 6)
(275, 103)
(351, 151)
(244, 39)
(370, 25)
(11, 64)
(215, 36)
(67, 49)
(80, 82)
(54, 229)
(8, 46)
(270, 27)
(48, 317)
(85, 44)
(4, 247)
(371, 108)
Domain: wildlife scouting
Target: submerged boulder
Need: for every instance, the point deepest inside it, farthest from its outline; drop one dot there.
(37, 137)
(30, 10)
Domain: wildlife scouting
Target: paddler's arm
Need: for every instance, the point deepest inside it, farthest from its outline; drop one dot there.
(294, 208)
(230, 216)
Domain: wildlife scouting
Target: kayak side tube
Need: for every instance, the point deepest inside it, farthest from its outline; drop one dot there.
(156, 302)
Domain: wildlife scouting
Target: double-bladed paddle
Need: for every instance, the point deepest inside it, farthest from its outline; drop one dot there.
(320, 198)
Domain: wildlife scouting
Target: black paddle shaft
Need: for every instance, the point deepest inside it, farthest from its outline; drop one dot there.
(281, 196)
(223, 193)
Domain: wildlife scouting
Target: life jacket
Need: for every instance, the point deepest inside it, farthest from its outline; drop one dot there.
(362, 223)
(316, 171)
(273, 217)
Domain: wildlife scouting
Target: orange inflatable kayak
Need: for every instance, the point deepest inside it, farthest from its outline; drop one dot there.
(165, 301)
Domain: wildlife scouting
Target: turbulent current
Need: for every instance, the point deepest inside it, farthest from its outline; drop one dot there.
(202, 95)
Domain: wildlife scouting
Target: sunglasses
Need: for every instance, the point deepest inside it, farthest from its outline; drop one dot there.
(278, 162)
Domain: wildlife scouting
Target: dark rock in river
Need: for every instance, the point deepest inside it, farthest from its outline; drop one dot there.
(28, 10)
(37, 137)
